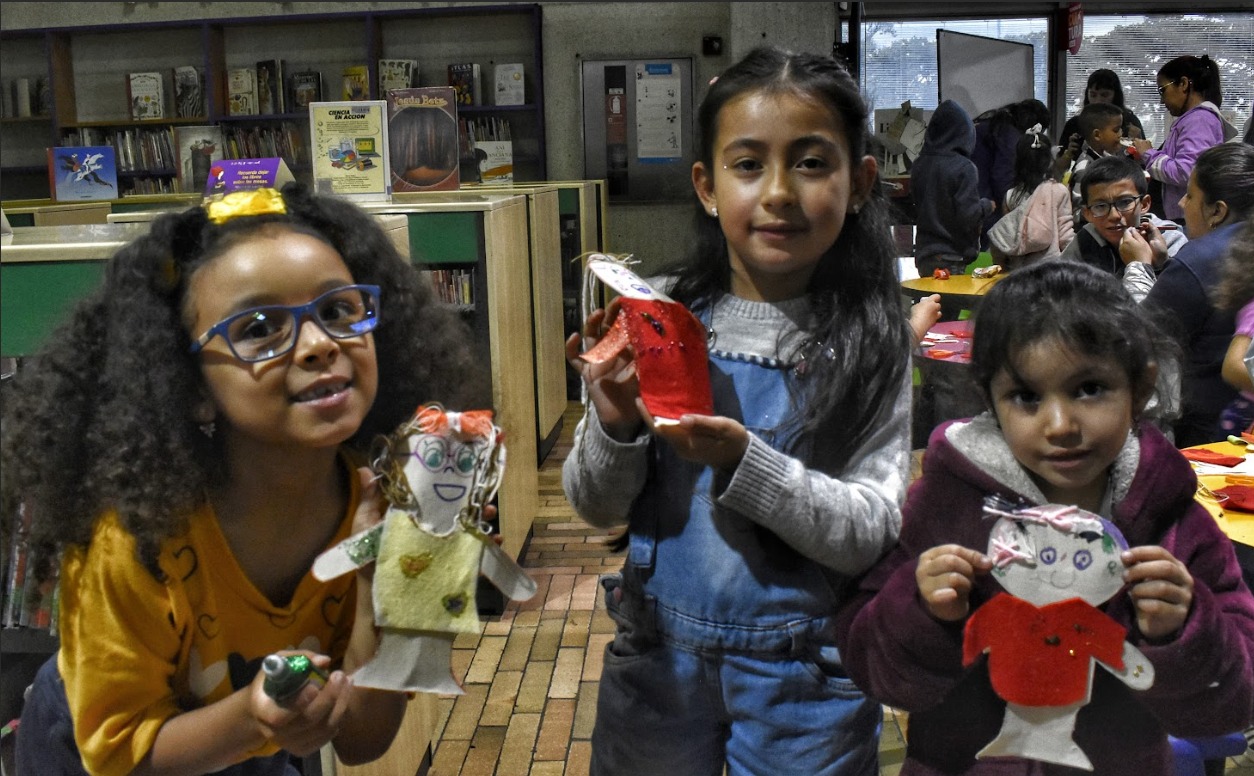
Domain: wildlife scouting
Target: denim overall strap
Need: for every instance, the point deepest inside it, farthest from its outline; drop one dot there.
(703, 576)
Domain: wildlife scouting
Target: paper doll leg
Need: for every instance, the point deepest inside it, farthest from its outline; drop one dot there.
(502, 571)
(411, 661)
(1039, 733)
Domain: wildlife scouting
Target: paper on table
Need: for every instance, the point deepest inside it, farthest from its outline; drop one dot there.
(1245, 467)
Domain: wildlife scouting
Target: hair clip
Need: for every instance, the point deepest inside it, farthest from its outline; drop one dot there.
(1035, 130)
(256, 202)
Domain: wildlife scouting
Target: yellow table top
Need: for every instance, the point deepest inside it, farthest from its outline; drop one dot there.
(955, 285)
(1238, 525)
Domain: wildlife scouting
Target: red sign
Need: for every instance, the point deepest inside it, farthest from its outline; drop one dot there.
(1075, 27)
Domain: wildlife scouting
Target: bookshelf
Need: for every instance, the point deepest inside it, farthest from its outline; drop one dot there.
(86, 69)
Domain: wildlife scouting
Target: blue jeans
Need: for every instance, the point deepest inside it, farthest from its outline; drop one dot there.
(663, 711)
(45, 739)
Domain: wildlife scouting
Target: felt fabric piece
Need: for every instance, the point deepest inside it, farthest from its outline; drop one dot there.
(1210, 456)
(426, 582)
(1041, 656)
(670, 355)
(1240, 497)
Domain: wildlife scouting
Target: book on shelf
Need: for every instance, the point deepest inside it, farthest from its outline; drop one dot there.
(453, 286)
(227, 175)
(82, 173)
(397, 74)
(464, 77)
(355, 83)
(146, 94)
(285, 140)
(189, 92)
(197, 148)
(423, 139)
(306, 87)
(510, 82)
(349, 148)
(493, 149)
(241, 91)
(270, 86)
(30, 588)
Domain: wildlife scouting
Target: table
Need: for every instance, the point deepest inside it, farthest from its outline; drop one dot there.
(963, 289)
(946, 391)
(1237, 525)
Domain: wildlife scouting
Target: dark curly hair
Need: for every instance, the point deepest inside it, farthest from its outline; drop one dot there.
(853, 291)
(101, 417)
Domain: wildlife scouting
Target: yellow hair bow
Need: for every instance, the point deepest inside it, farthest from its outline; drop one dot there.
(256, 202)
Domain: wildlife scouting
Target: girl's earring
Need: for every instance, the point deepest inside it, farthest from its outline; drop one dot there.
(714, 211)
(208, 429)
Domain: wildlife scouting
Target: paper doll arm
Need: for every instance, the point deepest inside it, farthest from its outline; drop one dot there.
(351, 554)
(502, 571)
(1137, 671)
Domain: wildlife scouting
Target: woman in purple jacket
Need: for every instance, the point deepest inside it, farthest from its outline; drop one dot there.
(1066, 361)
(1190, 90)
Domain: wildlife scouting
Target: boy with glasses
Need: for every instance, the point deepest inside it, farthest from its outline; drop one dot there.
(1115, 197)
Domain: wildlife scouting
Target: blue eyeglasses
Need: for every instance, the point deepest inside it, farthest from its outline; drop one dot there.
(261, 333)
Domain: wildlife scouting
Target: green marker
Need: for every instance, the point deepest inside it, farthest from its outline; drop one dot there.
(286, 675)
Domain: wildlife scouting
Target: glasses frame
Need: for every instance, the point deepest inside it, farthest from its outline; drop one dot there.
(1109, 206)
(299, 313)
(1162, 90)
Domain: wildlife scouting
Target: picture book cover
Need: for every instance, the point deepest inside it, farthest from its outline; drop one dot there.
(241, 87)
(189, 92)
(306, 88)
(397, 74)
(270, 86)
(350, 146)
(510, 84)
(228, 175)
(464, 77)
(422, 130)
(197, 148)
(146, 94)
(496, 160)
(82, 173)
(356, 83)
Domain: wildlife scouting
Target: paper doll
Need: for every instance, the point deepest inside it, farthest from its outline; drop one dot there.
(438, 471)
(1057, 564)
(667, 341)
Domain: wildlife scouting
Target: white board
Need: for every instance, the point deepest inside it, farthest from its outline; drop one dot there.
(982, 73)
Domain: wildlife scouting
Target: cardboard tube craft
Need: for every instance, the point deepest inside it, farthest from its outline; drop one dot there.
(1043, 635)
(438, 471)
(667, 341)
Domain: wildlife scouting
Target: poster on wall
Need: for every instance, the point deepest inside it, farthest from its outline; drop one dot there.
(659, 95)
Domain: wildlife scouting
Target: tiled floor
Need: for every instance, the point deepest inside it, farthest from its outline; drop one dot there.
(531, 678)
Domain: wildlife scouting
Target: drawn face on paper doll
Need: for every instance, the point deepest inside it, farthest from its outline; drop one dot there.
(440, 473)
(1043, 563)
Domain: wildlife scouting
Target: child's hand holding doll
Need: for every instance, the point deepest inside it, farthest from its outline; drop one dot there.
(945, 576)
(1162, 590)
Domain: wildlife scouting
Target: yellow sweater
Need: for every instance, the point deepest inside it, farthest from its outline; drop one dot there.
(136, 651)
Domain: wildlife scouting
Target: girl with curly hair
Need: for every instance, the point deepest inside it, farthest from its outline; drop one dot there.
(190, 440)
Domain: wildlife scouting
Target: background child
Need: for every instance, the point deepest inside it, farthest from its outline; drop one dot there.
(1116, 197)
(190, 439)
(1236, 293)
(1043, 228)
(944, 184)
(1101, 133)
(1066, 359)
(744, 527)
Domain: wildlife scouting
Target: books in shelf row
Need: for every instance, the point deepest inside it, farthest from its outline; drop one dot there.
(26, 98)
(30, 582)
(453, 286)
(146, 93)
(508, 83)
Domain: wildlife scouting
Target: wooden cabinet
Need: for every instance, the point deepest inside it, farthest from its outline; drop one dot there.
(87, 68)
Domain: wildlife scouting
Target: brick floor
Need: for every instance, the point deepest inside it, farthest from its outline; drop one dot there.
(531, 678)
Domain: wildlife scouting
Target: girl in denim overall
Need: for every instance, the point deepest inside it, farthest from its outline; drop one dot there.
(745, 527)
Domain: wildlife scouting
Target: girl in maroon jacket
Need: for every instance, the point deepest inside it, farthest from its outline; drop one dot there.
(1066, 361)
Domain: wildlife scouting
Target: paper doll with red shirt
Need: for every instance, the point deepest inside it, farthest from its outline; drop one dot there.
(1042, 637)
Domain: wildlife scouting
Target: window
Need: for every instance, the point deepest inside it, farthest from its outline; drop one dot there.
(1136, 46)
(899, 58)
